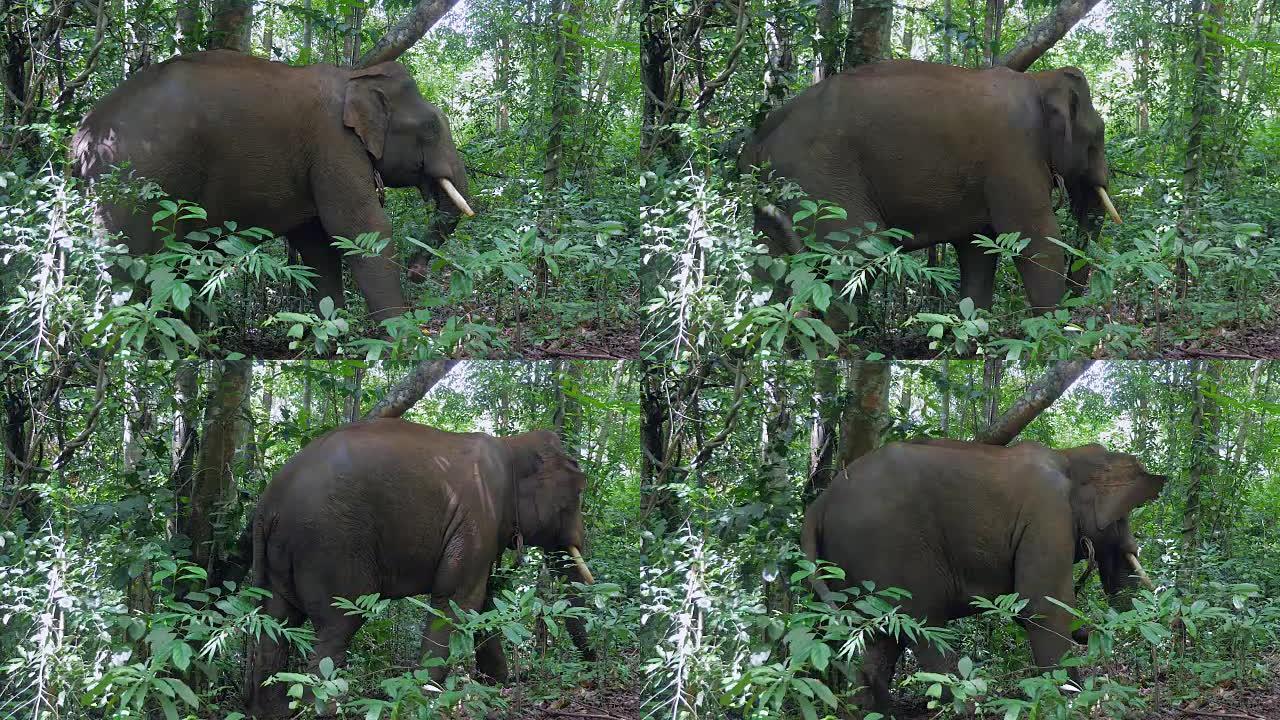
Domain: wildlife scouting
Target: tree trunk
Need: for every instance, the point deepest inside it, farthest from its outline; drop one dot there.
(308, 25)
(269, 33)
(775, 492)
(1203, 450)
(947, 32)
(406, 32)
(863, 415)
(868, 38)
(213, 483)
(822, 429)
(565, 87)
(410, 390)
(502, 81)
(992, 371)
(1038, 397)
(944, 419)
(991, 33)
(189, 32)
(826, 48)
(186, 413)
(1204, 105)
(1142, 71)
(230, 26)
(568, 411)
(779, 64)
(1044, 34)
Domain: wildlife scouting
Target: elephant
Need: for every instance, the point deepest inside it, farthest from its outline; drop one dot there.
(943, 152)
(396, 508)
(303, 152)
(948, 520)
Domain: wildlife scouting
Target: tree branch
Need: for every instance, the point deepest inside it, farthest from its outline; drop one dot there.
(1043, 35)
(1038, 396)
(401, 36)
(410, 390)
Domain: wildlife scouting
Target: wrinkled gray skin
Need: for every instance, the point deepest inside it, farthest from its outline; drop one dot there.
(398, 509)
(948, 520)
(289, 149)
(944, 152)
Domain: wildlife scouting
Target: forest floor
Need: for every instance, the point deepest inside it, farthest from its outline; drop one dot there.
(606, 704)
(1228, 701)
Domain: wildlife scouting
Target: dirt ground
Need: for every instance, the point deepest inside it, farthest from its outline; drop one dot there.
(1226, 702)
(612, 704)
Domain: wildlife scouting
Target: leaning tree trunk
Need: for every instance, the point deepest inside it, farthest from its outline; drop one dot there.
(1044, 34)
(406, 393)
(1039, 396)
(406, 32)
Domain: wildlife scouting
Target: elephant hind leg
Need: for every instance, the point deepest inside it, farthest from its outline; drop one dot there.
(333, 636)
(317, 251)
(934, 660)
(266, 658)
(879, 661)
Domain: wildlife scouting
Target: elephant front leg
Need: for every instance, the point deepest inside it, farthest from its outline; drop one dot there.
(435, 637)
(349, 208)
(491, 662)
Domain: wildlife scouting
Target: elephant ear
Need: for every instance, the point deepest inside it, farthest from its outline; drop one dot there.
(1107, 486)
(1060, 101)
(367, 109)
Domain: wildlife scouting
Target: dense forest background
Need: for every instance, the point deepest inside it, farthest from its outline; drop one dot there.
(1189, 94)
(125, 492)
(542, 101)
(736, 451)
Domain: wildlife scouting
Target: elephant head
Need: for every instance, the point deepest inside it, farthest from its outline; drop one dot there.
(548, 494)
(410, 143)
(1077, 143)
(1105, 487)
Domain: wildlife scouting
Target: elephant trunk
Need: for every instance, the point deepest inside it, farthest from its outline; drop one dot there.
(441, 192)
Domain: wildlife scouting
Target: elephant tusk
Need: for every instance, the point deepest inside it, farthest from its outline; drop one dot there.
(582, 566)
(458, 200)
(1137, 569)
(1106, 204)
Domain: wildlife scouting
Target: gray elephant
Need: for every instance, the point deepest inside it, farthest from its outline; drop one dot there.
(300, 151)
(943, 152)
(949, 520)
(398, 509)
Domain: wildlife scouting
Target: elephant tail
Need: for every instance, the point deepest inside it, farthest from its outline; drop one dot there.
(811, 543)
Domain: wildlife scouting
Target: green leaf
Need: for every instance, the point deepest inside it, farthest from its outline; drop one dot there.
(326, 667)
(326, 307)
(965, 666)
(170, 709)
(181, 655)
